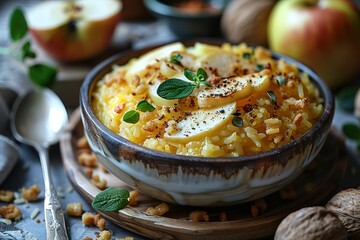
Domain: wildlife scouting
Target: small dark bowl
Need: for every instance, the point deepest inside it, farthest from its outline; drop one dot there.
(183, 23)
(201, 181)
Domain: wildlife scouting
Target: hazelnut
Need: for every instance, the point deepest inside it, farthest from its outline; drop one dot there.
(311, 223)
(346, 205)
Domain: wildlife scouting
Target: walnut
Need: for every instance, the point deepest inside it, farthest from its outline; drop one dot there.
(159, 209)
(10, 212)
(104, 235)
(6, 196)
(133, 198)
(74, 209)
(346, 205)
(197, 216)
(89, 219)
(98, 182)
(30, 194)
(87, 159)
(311, 223)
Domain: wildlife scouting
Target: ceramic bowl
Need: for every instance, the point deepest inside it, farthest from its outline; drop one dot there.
(200, 181)
(188, 23)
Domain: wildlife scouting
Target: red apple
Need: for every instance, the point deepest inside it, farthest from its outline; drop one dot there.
(74, 30)
(323, 34)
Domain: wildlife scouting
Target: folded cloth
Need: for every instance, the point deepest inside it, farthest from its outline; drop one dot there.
(8, 157)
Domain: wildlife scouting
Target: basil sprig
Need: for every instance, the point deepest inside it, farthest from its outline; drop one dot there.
(111, 199)
(175, 88)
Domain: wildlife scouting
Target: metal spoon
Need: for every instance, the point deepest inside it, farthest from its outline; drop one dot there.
(37, 120)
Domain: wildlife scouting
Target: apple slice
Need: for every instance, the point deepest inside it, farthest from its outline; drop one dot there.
(151, 57)
(232, 89)
(159, 101)
(219, 63)
(201, 123)
(74, 30)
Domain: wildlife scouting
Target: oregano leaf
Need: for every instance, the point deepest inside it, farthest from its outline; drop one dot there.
(145, 106)
(131, 116)
(201, 74)
(174, 88)
(111, 199)
(190, 75)
(17, 25)
(42, 74)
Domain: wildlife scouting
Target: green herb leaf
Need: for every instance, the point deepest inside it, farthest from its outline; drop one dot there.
(259, 67)
(26, 51)
(42, 74)
(131, 116)
(176, 59)
(201, 75)
(346, 97)
(272, 97)
(145, 106)
(18, 26)
(280, 80)
(205, 83)
(247, 55)
(237, 121)
(174, 88)
(351, 131)
(111, 199)
(190, 75)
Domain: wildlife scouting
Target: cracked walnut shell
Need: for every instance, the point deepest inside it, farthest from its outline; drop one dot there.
(311, 223)
(346, 205)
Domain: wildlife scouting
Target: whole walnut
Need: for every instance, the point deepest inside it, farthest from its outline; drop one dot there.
(311, 223)
(346, 205)
(246, 21)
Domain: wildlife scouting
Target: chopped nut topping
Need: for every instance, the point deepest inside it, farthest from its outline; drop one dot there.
(30, 194)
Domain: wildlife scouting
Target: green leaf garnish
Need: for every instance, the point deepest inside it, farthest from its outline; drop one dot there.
(237, 121)
(280, 80)
(174, 88)
(272, 97)
(26, 51)
(259, 67)
(247, 55)
(42, 74)
(111, 199)
(145, 106)
(201, 75)
(176, 59)
(351, 131)
(131, 116)
(18, 26)
(190, 75)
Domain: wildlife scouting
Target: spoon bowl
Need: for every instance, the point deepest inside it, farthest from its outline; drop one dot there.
(38, 119)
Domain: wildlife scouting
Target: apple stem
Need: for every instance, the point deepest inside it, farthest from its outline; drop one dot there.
(10, 52)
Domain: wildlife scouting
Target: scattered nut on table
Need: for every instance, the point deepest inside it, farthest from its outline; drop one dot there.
(10, 212)
(30, 194)
(311, 223)
(346, 205)
(89, 219)
(74, 209)
(6, 196)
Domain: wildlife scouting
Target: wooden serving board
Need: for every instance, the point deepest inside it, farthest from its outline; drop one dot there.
(313, 187)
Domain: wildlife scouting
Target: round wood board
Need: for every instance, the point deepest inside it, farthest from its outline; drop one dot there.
(313, 187)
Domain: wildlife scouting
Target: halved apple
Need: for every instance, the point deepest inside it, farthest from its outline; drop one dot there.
(74, 30)
(201, 123)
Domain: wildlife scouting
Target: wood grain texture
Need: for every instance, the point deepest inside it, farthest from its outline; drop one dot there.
(314, 187)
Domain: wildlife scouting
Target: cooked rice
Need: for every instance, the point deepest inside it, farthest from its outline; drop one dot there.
(265, 126)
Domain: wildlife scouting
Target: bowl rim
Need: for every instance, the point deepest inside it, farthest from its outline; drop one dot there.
(86, 107)
(166, 10)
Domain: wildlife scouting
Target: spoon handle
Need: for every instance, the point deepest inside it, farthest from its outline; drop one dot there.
(54, 215)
